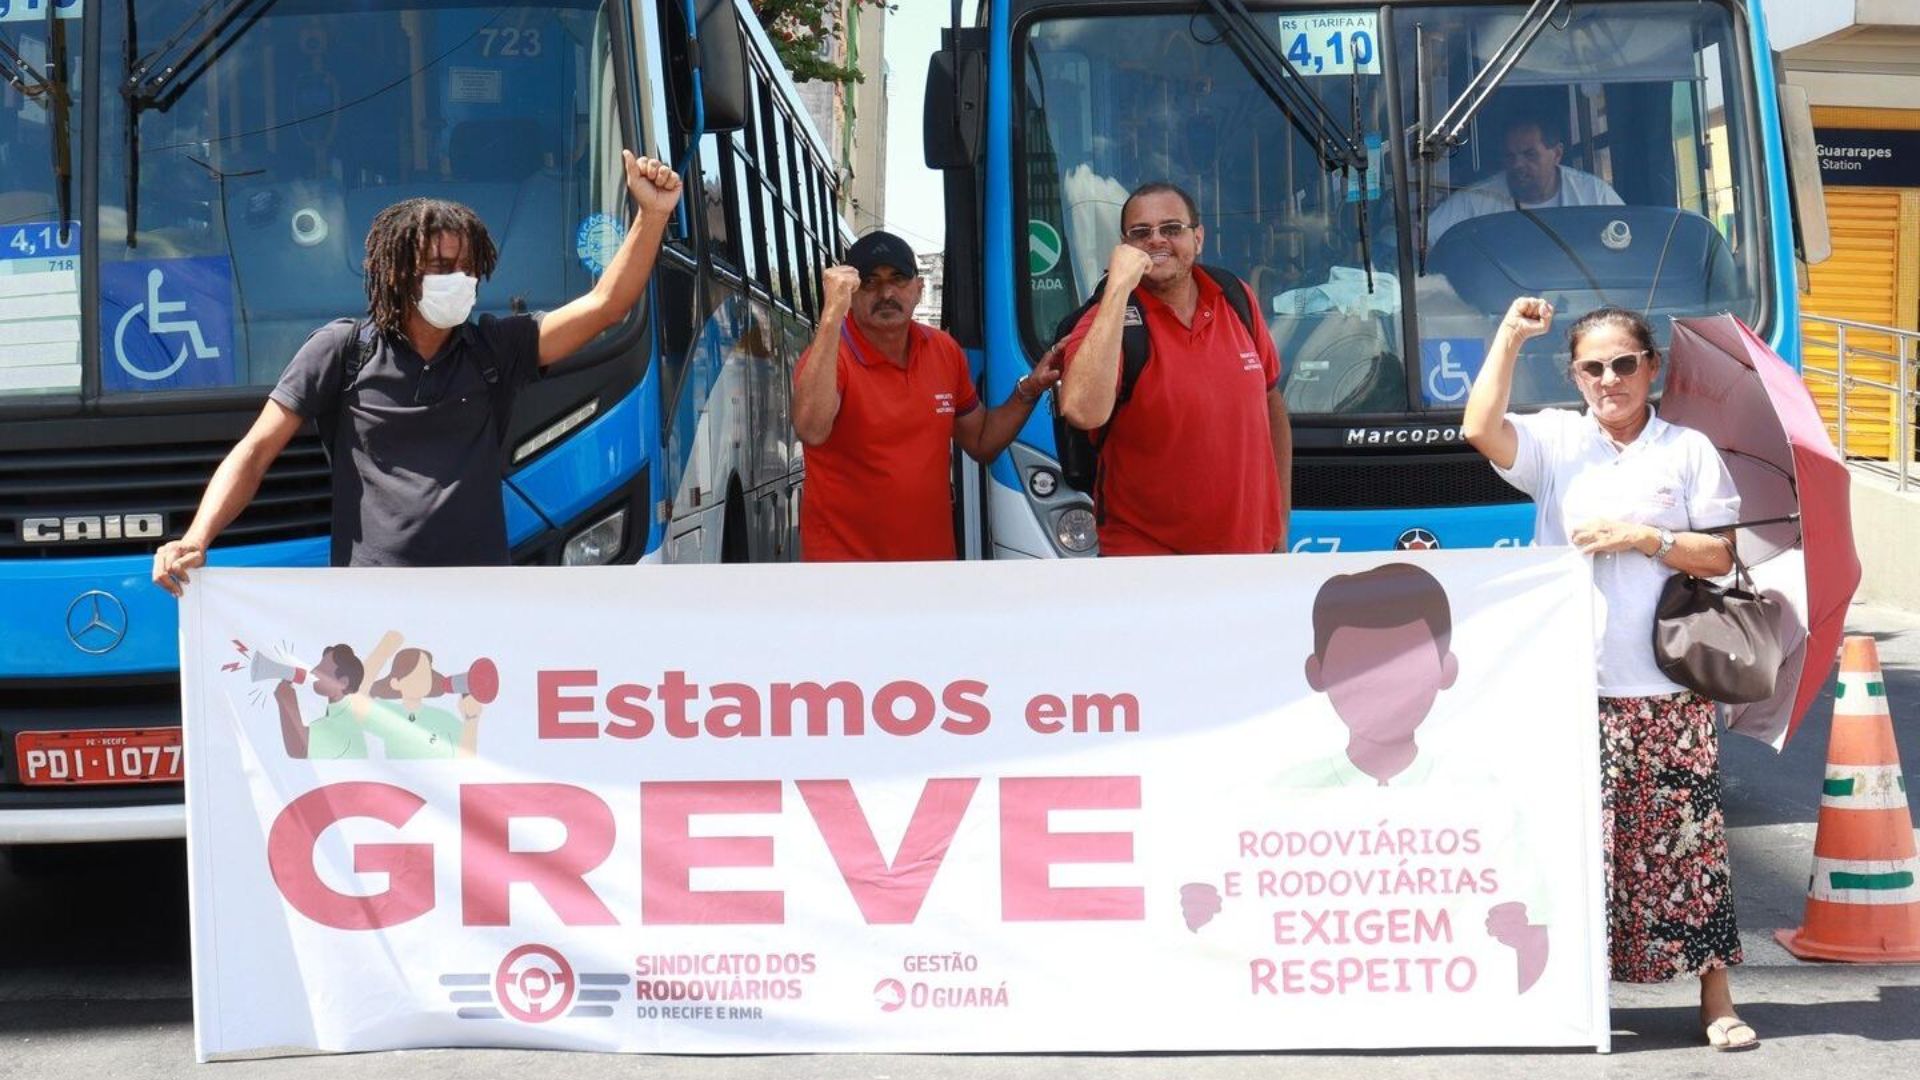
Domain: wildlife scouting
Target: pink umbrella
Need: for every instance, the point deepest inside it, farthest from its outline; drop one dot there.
(1797, 524)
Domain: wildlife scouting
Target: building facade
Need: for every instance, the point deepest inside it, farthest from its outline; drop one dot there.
(853, 116)
(932, 272)
(1859, 62)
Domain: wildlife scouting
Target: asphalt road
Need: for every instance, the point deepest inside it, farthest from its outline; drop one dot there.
(94, 977)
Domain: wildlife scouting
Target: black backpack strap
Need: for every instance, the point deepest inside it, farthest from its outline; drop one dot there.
(1135, 347)
(354, 352)
(1236, 293)
(361, 351)
(1065, 326)
(499, 394)
(1077, 451)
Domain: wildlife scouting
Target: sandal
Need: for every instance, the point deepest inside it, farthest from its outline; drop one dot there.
(1731, 1033)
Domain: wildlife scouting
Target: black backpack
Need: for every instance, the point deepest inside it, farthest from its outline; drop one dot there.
(1078, 453)
(358, 348)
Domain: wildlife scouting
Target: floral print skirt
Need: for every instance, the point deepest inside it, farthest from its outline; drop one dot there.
(1669, 892)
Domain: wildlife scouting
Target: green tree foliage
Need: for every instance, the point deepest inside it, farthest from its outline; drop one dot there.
(798, 27)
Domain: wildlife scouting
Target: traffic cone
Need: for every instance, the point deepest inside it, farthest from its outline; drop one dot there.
(1863, 902)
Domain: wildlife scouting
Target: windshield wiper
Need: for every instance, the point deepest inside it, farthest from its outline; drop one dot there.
(1448, 133)
(151, 79)
(60, 115)
(1283, 83)
(51, 85)
(20, 74)
(156, 80)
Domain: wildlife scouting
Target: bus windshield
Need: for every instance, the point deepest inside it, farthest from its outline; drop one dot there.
(39, 250)
(1611, 167)
(251, 184)
(1113, 101)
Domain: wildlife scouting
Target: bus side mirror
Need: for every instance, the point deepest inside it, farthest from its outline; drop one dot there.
(722, 57)
(954, 117)
(1813, 242)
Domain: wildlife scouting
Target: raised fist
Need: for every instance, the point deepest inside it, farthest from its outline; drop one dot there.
(654, 184)
(840, 283)
(1127, 265)
(1529, 317)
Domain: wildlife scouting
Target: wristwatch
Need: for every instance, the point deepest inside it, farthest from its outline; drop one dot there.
(1666, 544)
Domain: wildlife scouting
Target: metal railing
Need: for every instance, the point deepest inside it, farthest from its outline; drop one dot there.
(1894, 403)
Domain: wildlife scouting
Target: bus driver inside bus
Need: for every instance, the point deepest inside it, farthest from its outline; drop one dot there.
(415, 435)
(1532, 179)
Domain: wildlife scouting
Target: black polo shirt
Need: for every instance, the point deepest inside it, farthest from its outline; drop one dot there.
(416, 458)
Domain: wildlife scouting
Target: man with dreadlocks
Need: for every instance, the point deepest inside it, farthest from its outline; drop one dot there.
(411, 400)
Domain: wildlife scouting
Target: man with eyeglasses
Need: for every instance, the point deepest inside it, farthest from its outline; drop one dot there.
(412, 401)
(880, 401)
(1196, 459)
(1533, 178)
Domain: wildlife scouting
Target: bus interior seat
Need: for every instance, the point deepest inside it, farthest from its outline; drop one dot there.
(1648, 258)
(289, 246)
(499, 149)
(498, 168)
(1339, 363)
(1277, 261)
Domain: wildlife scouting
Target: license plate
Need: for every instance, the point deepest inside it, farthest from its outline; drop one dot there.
(109, 756)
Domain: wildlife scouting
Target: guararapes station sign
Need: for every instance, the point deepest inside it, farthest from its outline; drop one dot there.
(1861, 157)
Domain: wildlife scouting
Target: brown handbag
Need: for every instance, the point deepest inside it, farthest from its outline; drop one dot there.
(1722, 642)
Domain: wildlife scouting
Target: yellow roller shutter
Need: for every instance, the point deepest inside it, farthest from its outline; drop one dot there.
(1862, 282)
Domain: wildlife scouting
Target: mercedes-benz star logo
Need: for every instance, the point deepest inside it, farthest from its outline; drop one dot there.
(96, 622)
(1417, 540)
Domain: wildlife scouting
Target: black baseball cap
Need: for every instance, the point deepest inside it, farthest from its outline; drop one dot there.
(878, 249)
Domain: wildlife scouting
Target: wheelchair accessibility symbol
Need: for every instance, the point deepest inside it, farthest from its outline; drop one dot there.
(1450, 375)
(157, 324)
(174, 323)
(1448, 368)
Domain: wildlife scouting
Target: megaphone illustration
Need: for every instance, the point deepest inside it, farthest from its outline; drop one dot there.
(481, 682)
(267, 669)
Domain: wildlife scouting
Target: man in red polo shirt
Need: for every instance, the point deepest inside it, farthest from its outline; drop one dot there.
(880, 400)
(1197, 460)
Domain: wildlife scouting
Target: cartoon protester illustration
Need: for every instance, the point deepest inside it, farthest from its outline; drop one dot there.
(337, 732)
(1380, 654)
(392, 710)
(408, 727)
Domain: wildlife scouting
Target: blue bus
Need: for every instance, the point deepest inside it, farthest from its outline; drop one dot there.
(1343, 159)
(184, 193)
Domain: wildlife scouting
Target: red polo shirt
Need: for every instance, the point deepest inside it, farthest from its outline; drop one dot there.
(878, 489)
(1186, 467)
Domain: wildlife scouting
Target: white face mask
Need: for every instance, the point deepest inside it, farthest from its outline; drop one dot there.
(447, 299)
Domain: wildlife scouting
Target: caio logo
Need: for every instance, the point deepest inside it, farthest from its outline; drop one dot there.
(534, 984)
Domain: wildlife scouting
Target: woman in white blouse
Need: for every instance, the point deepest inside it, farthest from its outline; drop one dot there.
(1646, 499)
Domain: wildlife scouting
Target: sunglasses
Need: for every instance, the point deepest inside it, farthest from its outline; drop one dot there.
(1167, 230)
(1623, 365)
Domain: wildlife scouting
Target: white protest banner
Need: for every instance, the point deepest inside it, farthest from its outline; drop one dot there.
(1176, 804)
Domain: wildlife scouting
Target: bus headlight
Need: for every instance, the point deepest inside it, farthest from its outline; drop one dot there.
(598, 543)
(1076, 530)
(1043, 483)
